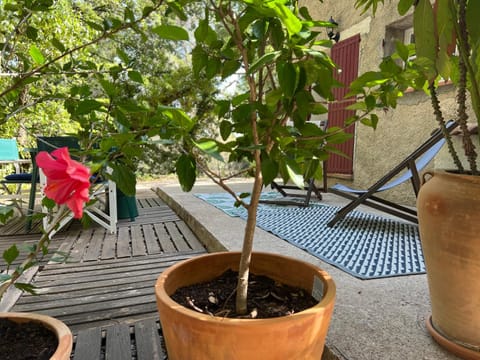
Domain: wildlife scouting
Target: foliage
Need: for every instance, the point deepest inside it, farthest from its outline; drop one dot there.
(439, 29)
(273, 48)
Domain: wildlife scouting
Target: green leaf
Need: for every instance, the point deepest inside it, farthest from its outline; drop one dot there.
(171, 32)
(6, 212)
(11, 254)
(199, 60)
(230, 67)
(186, 171)
(225, 129)
(25, 287)
(294, 173)
(269, 170)
(210, 148)
(124, 177)
(424, 28)
(58, 44)
(288, 77)
(94, 25)
(264, 60)
(135, 76)
(36, 55)
(87, 106)
(404, 6)
(32, 33)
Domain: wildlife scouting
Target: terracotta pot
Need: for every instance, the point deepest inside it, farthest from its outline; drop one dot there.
(63, 333)
(449, 221)
(195, 336)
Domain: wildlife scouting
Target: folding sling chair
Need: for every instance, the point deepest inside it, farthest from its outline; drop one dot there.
(408, 169)
(106, 216)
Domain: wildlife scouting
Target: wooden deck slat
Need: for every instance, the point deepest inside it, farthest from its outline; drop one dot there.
(189, 236)
(177, 237)
(109, 279)
(88, 344)
(80, 245)
(118, 346)
(138, 245)
(153, 247)
(109, 246)
(164, 239)
(123, 242)
(94, 248)
(147, 341)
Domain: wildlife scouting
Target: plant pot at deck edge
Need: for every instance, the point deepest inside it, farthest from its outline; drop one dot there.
(61, 331)
(448, 209)
(192, 335)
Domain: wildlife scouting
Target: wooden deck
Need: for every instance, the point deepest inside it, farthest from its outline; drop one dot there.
(105, 291)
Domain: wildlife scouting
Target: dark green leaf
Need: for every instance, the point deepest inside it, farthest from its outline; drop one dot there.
(269, 170)
(25, 287)
(288, 77)
(125, 178)
(135, 76)
(87, 106)
(11, 254)
(58, 44)
(424, 28)
(32, 33)
(225, 129)
(186, 171)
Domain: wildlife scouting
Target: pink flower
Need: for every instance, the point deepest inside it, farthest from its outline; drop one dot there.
(68, 181)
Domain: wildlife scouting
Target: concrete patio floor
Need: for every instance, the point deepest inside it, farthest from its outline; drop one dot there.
(373, 319)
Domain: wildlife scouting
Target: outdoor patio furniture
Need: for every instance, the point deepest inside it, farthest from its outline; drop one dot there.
(408, 169)
(106, 216)
(287, 190)
(9, 155)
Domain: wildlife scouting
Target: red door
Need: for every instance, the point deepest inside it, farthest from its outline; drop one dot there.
(345, 54)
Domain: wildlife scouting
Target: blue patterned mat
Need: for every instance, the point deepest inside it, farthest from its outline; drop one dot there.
(364, 245)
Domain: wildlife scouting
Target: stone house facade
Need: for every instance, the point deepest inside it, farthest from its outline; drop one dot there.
(400, 131)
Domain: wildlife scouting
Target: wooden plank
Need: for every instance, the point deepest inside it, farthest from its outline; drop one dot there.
(147, 340)
(109, 245)
(138, 246)
(93, 251)
(80, 245)
(123, 242)
(118, 345)
(109, 316)
(88, 344)
(153, 247)
(164, 239)
(177, 237)
(192, 240)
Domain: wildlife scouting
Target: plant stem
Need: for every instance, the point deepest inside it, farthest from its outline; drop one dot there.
(441, 121)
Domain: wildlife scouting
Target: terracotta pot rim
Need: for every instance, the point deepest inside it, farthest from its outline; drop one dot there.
(328, 296)
(450, 344)
(62, 332)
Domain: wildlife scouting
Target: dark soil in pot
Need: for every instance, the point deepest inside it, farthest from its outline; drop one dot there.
(26, 341)
(266, 297)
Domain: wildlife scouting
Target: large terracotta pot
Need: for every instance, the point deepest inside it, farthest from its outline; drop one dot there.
(63, 333)
(449, 221)
(195, 336)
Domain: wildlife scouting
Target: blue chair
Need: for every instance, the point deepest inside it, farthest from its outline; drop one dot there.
(408, 169)
(9, 155)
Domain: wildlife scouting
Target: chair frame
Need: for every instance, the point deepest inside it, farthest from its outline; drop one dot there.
(367, 197)
(106, 220)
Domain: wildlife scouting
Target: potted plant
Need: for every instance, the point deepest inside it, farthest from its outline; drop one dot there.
(273, 50)
(447, 47)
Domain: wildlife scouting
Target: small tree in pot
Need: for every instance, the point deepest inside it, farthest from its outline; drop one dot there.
(271, 48)
(447, 46)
